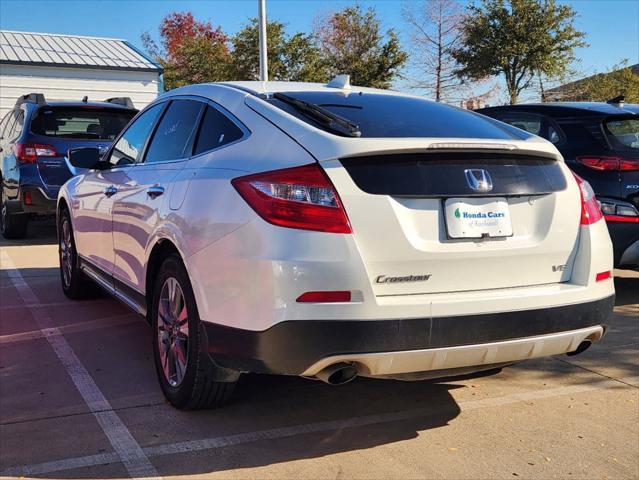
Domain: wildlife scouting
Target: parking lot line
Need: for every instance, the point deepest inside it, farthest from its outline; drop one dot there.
(126, 447)
(112, 321)
(332, 425)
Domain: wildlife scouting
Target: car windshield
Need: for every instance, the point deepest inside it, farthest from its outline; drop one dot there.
(382, 115)
(623, 134)
(89, 123)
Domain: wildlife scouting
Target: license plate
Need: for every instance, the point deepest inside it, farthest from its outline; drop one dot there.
(477, 218)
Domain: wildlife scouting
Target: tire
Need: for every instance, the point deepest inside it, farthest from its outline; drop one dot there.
(75, 284)
(187, 375)
(13, 226)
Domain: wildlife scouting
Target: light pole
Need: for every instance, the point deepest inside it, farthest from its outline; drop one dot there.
(263, 56)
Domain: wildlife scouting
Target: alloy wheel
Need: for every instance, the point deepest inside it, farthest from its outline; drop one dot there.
(173, 332)
(66, 252)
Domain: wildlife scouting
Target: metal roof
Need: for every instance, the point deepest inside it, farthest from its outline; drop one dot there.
(49, 49)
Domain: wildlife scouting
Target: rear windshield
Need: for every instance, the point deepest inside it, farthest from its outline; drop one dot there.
(380, 115)
(80, 123)
(623, 134)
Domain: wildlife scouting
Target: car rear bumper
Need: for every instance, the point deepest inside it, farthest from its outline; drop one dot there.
(384, 347)
(32, 200)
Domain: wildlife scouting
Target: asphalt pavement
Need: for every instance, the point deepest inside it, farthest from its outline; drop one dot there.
(79, 399)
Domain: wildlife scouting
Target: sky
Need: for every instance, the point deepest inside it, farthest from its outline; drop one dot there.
(611, 26)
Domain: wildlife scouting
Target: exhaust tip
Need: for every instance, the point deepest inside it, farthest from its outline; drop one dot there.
(583, 346)
(337, 374)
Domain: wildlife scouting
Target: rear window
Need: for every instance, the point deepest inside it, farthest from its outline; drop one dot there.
(381, 115)
(80, 123)
(623, 134)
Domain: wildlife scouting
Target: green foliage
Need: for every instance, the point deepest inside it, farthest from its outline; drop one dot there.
(517, 39)
(198, 61)
(293, 58)
(351, 42)
(303, 60)
(603, 86)
(191, 51)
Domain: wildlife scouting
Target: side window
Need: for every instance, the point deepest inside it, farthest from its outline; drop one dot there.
(535, 124)
(216, 130)
(553, 135)
(173, 139)
(531, 124)
(129, 146)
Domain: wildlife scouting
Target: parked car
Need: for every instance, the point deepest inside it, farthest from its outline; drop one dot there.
(600, 142)
(330, 231)
(34, 138)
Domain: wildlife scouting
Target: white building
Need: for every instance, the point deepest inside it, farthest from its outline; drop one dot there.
(66, 67)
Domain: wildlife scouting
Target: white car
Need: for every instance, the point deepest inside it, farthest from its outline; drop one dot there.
(330, 231)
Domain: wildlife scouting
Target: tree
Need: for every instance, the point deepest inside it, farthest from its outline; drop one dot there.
(517, 39)
(435, 34)
(191, 51)
(294, 58)
(303, 60)
(352, 43)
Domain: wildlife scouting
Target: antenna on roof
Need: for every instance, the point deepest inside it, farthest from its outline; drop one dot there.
(342, 81)
(618, 100)
(85, 99)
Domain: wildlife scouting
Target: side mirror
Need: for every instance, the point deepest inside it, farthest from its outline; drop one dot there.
(84, 158)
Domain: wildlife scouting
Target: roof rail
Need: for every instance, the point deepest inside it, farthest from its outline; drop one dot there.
(37, 98)
(124, 101)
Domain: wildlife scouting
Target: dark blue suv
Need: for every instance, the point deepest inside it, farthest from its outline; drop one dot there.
(600, 143)
(34, 139)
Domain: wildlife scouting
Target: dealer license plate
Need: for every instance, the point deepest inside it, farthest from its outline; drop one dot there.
(477, 218)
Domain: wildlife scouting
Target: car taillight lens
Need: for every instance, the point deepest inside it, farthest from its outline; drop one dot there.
(29, 152)
(590, 210)
(299, 197)
(616, 164)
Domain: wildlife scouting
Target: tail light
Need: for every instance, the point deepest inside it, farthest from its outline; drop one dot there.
(590, 210)
(616, 164)
(29, 152)
(299, 197)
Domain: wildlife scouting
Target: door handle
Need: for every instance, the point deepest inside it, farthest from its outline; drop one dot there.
(110, 190)
(155, 191)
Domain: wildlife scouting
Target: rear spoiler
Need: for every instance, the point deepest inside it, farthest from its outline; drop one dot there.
(37, 98)
(124, 101)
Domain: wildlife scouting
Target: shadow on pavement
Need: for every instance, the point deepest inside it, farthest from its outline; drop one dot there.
(285, 401)
(627, 291)
(40, 232)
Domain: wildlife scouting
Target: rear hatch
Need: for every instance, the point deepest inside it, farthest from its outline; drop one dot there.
(59, 129)
(523, 232)
(440, 199)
